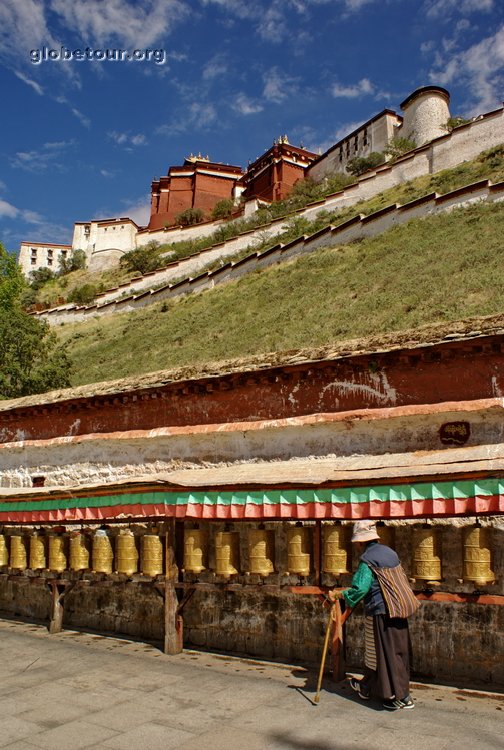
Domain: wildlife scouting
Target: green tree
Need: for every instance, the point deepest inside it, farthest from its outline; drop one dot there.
(143, 259)
(360, 164)
(223, 209)
(73, 262)
(40, 276)
(189, 217)
(396, 147)
(31, 360)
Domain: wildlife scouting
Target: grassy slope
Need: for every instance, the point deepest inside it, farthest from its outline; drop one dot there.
(439, 269)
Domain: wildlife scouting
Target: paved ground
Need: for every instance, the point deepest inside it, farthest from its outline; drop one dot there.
(76, 690)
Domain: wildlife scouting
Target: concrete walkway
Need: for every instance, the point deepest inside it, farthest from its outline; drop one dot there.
(76, 690)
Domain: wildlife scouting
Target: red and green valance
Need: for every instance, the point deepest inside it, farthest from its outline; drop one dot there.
(427, 499)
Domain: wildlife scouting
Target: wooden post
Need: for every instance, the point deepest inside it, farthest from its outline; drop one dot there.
(58, 591)
(173, 637)
(338, 654)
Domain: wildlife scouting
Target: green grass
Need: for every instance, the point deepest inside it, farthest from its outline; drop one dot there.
(439, 269)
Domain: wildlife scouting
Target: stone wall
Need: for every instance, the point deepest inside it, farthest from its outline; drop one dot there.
(453, 643)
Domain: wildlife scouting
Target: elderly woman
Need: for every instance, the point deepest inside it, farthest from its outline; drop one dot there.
(380, 581)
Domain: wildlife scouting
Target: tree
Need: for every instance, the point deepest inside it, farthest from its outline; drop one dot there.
(143, 259)
(40, 276)
(189, 217)
(454, 122)
(31, 360)
(73, 262)
(396, 147)
(223, 209)
(360, 164)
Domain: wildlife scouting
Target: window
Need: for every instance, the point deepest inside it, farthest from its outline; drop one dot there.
(33, 261)
(365, 139)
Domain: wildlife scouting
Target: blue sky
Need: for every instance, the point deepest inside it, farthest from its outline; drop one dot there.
(82, 139)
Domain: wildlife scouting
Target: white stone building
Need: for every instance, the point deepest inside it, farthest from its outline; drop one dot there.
(35, 255)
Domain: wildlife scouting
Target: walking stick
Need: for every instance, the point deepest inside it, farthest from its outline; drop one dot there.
(324, 653)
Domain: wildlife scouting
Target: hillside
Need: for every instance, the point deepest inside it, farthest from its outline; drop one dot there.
(437, 270)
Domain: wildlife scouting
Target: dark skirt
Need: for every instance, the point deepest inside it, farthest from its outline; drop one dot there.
(393, 647)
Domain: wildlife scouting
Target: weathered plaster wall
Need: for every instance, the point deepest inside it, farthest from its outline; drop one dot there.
(112, 456)
(453, 370)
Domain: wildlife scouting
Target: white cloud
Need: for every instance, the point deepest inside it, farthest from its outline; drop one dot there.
(215, 67)
(447, 8)
(138, 210)
(127, 140)
(480, 68)
(278, 86)
(23, 27)
(29, 82)
(137, 25)
(363, 87)
(8, 210)
(196, 116)
(50, 155)
(82, 118)
(245, 106)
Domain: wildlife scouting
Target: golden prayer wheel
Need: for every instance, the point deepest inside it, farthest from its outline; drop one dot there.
(426, 554)
(37, 552)
(126, 553)
(18, 555)
(152, 555)
(4, 553)
(103, 554)
(298, 550)
(261, 551)
(195, 550)
(336, 546)
(227, 553)
(477, 555)
(57, 553)
(79, 552)
(386, 534)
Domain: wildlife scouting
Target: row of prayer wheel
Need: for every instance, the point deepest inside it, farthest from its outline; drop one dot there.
(57, 553)
(76, 552)
(336, 557)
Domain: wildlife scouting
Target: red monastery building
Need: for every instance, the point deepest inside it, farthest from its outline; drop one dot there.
(273, 175)
(199, 183)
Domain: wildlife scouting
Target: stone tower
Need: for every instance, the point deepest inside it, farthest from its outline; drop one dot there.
(425, 111)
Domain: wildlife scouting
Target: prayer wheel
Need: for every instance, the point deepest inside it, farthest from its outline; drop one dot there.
(227, 553)
(57, 553)
(79, 552)
(102, 552)
(386, 534)
(298, 550)
(4, 553)
(126, 553)
(18, 555)
(336, 549)
(195, 550)
(152, 555)
(37, 552)
(426, 554)
(477, 555)
(261, 551)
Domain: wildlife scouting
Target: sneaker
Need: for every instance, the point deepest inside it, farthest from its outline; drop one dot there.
(407, 702)
(391, 704)
(356, 685)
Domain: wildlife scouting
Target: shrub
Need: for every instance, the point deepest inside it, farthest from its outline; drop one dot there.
(41, 276)
(73, 262)
(142, 259)
(454, 122)
(223, 209)
(83, 295)
(189, 217)
(396, 147)
(360, 164)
